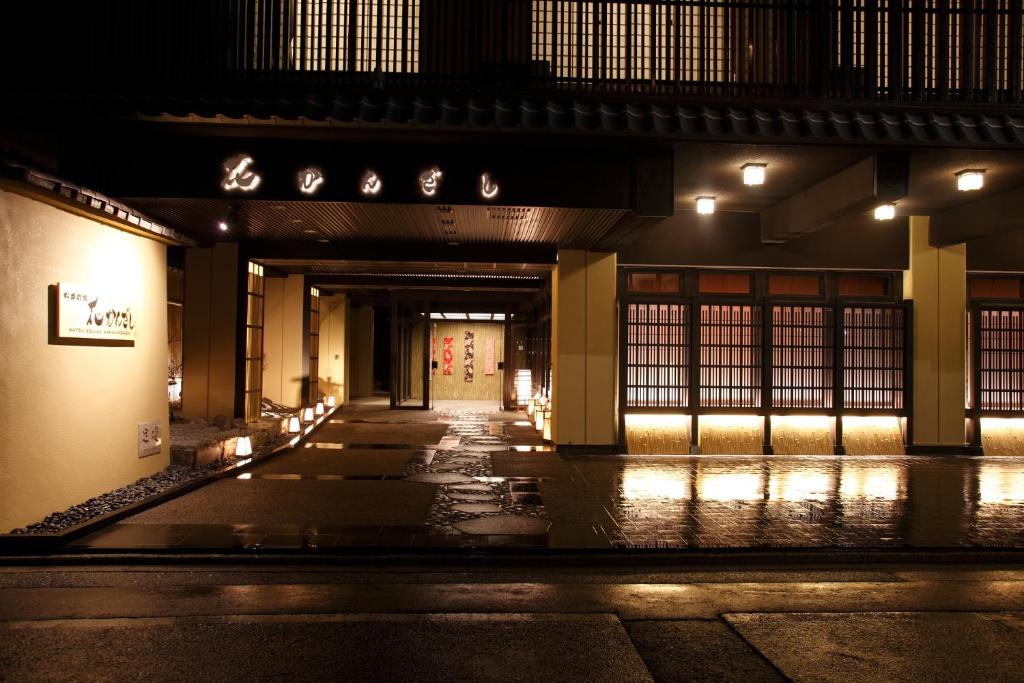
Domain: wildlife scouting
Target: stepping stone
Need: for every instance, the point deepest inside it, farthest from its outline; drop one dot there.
(504, 525)
(440, 478)
(469, 487)
(472, 496)
(475, 507)
(449, 466)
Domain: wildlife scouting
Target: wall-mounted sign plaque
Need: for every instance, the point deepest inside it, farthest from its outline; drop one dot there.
(150, 438)
(86, 313)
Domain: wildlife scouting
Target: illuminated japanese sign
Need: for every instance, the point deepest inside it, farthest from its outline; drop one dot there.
(488, 188)
(84, 313)
(430, 181)
(370, 183)
(310, 180)
(239, 175)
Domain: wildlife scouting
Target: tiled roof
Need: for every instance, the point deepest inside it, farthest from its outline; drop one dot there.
(970, 127)
(93, 201)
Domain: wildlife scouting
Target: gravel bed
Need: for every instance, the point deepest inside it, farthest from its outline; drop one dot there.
(168, 478)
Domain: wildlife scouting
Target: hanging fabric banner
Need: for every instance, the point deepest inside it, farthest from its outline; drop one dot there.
(489, 356)
(449, 357)
(468, 368)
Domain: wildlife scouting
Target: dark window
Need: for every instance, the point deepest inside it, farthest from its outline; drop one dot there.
(664, 283)
(724, 283)
(794, 285)
(863, 285)
(995, 288)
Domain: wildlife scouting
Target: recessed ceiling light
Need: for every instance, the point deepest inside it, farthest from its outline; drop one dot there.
(970, 179)
(885, 212)
(753, 174)
(223, 226)
(705, 205)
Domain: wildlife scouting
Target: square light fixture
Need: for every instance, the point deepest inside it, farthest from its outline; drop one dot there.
(970, 179)
(753, 174)
(705, 205)
(885, 212)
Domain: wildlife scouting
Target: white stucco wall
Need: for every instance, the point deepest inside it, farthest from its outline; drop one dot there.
(69, 415)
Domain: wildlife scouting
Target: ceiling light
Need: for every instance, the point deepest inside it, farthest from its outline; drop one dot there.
(753, 174)
(885, 212)
(223, 226)
(970, 179)
(705, 205)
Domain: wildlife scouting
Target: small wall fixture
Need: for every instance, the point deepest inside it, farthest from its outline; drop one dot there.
(294, 427)
(970, 179)
(885, 212)
(319, 410)
(705, 205)
(243, 447)
(753, 174)
(330, 401)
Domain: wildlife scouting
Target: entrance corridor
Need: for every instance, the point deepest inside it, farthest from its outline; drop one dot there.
(467, 475)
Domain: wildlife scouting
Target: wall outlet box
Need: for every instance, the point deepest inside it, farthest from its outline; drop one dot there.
(150, 438)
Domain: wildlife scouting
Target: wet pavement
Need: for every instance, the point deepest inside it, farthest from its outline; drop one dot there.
(519, 619)
(379, 479)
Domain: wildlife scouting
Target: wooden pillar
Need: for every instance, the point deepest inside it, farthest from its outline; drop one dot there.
(937, 284)
(583, 347)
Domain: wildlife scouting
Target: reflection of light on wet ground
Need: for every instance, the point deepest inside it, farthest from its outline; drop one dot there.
(876, 480)
(799, 485)
(642, 484)
(726, 486)
(1001, 482)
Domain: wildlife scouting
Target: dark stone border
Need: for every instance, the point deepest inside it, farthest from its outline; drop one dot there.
(22, 544)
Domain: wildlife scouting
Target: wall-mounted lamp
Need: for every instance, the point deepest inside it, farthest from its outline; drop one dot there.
(705, 205)
(753, 174)
(970, 179)
(885, 212)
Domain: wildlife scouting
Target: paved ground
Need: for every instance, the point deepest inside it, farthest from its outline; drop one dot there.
(522, 619)
(373, 478)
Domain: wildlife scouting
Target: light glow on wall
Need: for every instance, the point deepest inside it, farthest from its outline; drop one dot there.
(754, 174)
(872, 435)
(730, 434)
(970, 179)
(802, 434)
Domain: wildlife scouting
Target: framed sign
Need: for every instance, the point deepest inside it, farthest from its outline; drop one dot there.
(150, 438)
(85, 314)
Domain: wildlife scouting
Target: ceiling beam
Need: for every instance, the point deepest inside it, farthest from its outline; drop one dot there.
(402, 251)
(879, 179)
(983, 217)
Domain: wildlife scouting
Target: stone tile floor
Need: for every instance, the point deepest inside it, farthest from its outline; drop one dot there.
(487, 482)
